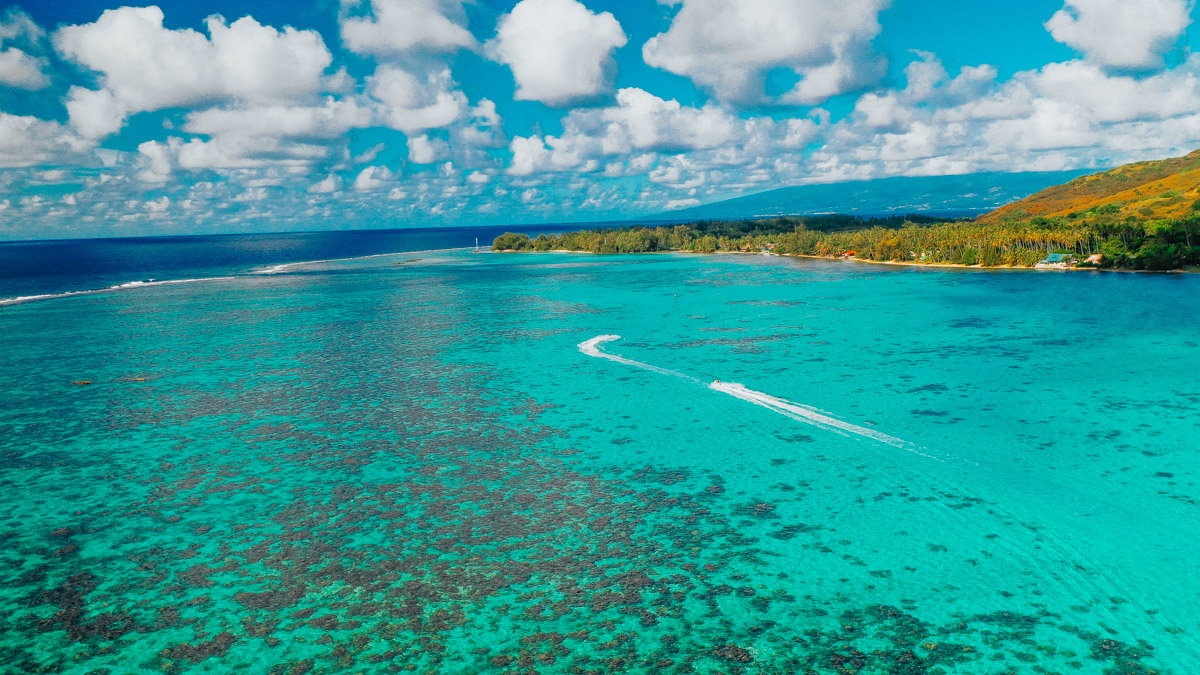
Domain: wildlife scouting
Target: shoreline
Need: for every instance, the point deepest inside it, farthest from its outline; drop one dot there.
(894, 263)
(905, 263)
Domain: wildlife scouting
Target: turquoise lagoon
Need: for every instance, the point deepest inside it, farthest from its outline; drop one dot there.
(407, 464)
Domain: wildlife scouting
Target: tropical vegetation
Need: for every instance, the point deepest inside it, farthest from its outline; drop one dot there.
(1139, 216)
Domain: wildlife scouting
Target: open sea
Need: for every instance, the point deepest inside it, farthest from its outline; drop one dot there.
(449, 462)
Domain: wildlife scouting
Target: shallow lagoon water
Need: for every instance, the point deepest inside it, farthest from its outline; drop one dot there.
(408, 465)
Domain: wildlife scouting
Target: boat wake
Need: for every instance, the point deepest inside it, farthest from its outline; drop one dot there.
(809, 415)
(790, 409)
(592, 348)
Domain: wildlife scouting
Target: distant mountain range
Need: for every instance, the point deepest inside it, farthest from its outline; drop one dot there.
(964, 195)
(1164, 189)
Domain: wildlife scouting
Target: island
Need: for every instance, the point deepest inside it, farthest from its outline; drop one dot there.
(1142, 216)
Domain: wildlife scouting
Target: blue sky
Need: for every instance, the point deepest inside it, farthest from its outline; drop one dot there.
(221, 116)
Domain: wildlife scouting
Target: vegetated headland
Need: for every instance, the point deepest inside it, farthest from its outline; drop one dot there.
(1143, 216)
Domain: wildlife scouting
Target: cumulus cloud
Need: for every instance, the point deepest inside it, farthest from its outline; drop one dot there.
(413, 103)
(16, 24)
(326, 185)
(22, 71)
(1119, 34)
(425, 150)
(1060, 116)
(641, 125)
(728, 46)
(158, 205)
(560, 52)
(29, 141)
(372, 178)
(255, 136)
(397, 27)
(144, 66)
(19, 68)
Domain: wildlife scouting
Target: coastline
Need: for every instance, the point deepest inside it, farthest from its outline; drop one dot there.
(894, 263)
(905, 263)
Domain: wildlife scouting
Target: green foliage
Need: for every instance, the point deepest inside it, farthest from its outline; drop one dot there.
(512, 241)
(1157, 256)
(1130, 243)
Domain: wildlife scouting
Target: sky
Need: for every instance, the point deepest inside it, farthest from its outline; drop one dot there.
(217, 116)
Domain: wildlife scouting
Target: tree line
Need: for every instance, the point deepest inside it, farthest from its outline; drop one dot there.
(1127, 244)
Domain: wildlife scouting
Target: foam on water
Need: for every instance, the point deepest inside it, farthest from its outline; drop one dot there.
(791, 409)
(293, 266)
(592, 348)
(808, 415)
(284, 268)
(118, 287)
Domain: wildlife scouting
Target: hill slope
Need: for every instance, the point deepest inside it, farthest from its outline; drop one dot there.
(935, 195)
(1163, 189)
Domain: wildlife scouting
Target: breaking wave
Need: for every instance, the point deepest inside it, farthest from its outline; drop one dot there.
(109, 289)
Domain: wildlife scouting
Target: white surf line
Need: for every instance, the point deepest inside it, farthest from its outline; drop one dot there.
(287, 267)
(796, 411)
(94, 291)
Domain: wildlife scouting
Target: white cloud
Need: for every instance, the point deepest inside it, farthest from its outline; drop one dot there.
(326, 185)
(256, 136)
(728, 46)
(482, 127)
(643, 121)
(560, 52)
(373, 178)
(144, 66)
(29, 141)
(16, 24)
(330, 120)
(158, 205)
(1062, 115)
(19, 67)
(529, 154)
(424, 150)
(22, 71)
(414, 103)
(641, 124)
(160, 160)
(397, 27)
(253, 194)
(1121, 34)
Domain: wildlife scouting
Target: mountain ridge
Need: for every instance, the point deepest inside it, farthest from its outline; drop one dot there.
(964, 194)
(1165, 189)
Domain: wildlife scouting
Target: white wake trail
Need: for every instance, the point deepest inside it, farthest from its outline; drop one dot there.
(803, 413)
(796, 411)
(592, 348)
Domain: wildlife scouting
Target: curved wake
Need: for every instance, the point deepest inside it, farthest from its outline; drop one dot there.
(790, 409)
(592, 348)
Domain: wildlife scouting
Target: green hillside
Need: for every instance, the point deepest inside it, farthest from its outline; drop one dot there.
(1166, 190)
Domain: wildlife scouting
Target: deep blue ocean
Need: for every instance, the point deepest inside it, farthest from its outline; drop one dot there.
(398, 459)
(29, 268)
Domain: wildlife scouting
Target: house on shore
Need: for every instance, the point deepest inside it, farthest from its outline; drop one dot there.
(1056, 261)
